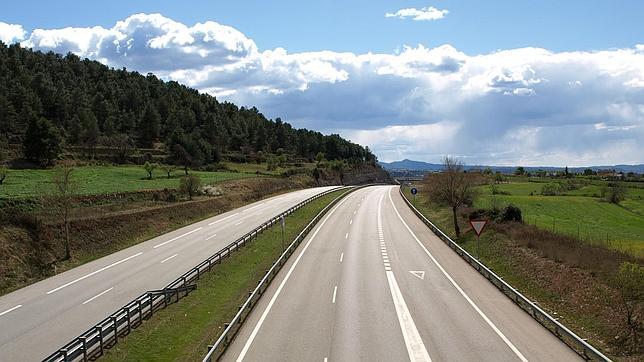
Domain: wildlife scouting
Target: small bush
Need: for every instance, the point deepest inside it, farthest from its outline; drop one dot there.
(210, 190)
(189, 185)
(511, 213)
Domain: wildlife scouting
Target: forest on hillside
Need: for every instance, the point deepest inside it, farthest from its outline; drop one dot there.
(50, 103)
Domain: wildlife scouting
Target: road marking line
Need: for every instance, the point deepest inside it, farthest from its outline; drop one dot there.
(10, 309)
(211, 236)
(341, 257)
(346, 236)
(175, 238)
(94, 272)
(476, 308)
(326, 359)
(239, 223)
(335, 291)
(97, 295)
(250, 339)
(350, 221)
(254, 207)
(166, 259)
(226, 218)
(414, 343)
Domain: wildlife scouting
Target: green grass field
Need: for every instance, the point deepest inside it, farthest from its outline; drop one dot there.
(183, 331)
(103, 179)
(253, 168)
(577, 213)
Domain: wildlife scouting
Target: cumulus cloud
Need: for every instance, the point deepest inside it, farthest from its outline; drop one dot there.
(11, 33)
(526, 106)
(427, 13)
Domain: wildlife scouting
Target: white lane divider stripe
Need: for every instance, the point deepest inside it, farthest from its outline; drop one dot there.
(335, 291)
(254, 207)
(253, 334)
(415, 347)
(239, 223)
(94, 272)
(341, 257)
(97, 295)
(226, 218)
(346, 236)
(168, 258)
(177, 237)
(476, 308)
(10, 309)
(211, 236)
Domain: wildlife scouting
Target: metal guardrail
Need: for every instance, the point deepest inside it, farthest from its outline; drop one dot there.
(106, 333)
(217, 350)
(576, 343)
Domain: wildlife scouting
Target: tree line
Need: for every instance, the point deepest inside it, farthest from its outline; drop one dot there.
(49, 101)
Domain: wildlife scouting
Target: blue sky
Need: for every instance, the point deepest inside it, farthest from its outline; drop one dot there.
(495, 82)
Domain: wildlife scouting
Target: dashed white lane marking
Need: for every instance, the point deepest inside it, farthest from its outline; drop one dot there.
(460, 290)
(335, 291)
(250, 339)
(10, 309)
(239, 223)
(178, 237)
(211, 236)
(97, 295)
(350, 221)
(168, 258)
(341, 257)
(254, 207)
(414, 343)
(354, 211)
(346, 236)
(94, 272)
(226, 218)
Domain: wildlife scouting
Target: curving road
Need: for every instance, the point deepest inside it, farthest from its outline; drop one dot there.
(40, 318)
(372, 283)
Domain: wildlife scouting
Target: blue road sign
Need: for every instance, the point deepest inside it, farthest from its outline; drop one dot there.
(414, 191)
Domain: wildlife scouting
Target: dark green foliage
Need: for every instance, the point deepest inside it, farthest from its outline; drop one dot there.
(42, 142)
(90, 104)
(511, 213)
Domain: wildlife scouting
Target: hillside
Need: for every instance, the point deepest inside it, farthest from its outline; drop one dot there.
(51, 104)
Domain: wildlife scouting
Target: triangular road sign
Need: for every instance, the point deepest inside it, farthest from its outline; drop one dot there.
(478, 226)
(419, 273)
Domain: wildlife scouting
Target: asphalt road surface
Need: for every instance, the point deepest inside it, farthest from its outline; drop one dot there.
(372, 283)
(38, 319)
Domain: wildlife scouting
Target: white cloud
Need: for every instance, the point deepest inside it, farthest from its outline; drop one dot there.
(10, 33)
(527, 105)
(427, 13)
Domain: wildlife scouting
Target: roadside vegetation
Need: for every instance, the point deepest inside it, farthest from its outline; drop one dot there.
(183, 331)
(592, 285)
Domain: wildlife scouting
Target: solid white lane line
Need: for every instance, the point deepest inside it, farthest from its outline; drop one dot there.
(211, 236)
(460, 290)
(166, 259)
(239, 223)
(335, 291)
(97, 295)
(414, 343)
(346, 236)
(175, 238)
(254, 207)
(10, 309)
(341, 257)
(226, 218)
(253, 334)
(94, 272)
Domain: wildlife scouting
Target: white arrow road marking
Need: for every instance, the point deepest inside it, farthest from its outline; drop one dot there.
(458, 288)
(10, 309)
(97, 295)
(418, 273)
(94, 272)
(175, 238)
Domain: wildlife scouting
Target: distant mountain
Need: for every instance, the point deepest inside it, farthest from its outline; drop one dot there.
(410, 165)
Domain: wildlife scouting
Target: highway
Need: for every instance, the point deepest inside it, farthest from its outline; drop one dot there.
(372, 283)
(38, 319)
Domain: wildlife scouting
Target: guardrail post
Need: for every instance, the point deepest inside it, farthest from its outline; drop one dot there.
(100, 338)
(129, 326)
(64, 352)
(116, 329)
(140, 310)
(83, 340)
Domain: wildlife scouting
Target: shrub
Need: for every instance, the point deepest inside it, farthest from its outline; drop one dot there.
(189, 185)
(511, 213)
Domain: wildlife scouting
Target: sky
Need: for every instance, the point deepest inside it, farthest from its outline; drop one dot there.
(491, 82)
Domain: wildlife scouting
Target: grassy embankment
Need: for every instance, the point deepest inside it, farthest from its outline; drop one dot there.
(579, 213)
(107, 220)
(571, 281)
(183, 331)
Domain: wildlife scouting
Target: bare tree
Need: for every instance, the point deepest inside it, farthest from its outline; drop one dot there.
(452, 187)
(65, 189)
(629, 281)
